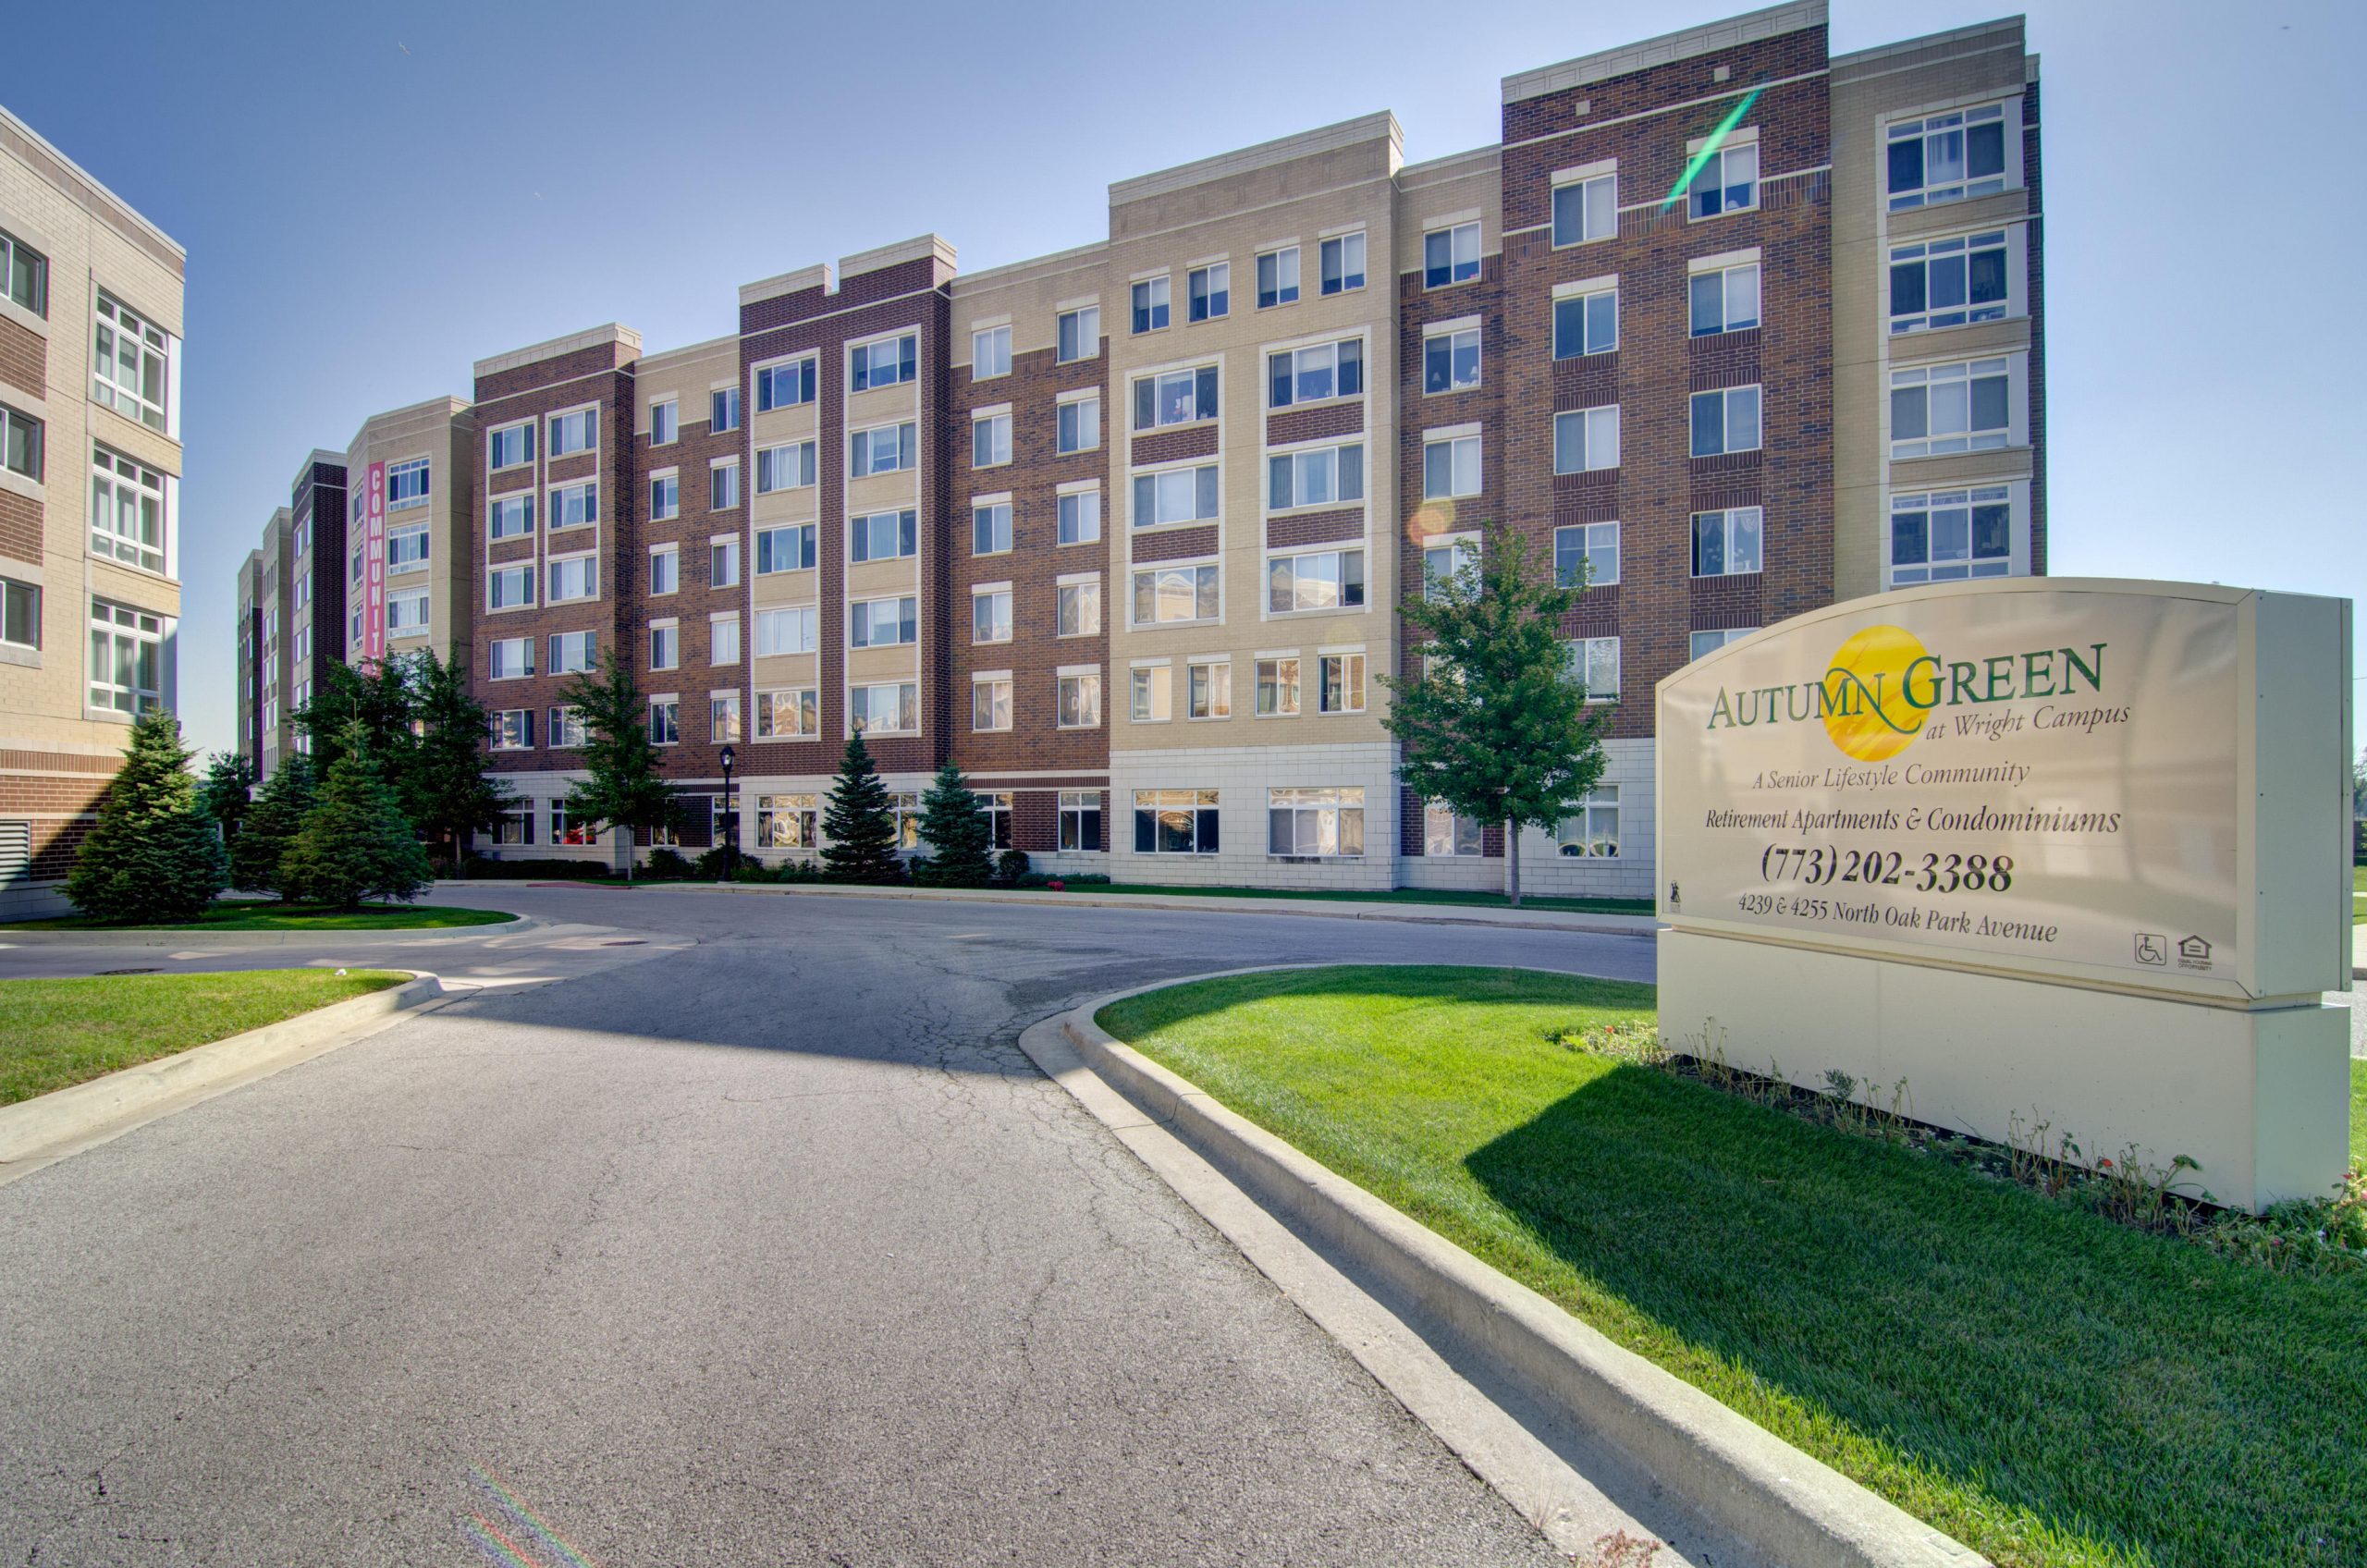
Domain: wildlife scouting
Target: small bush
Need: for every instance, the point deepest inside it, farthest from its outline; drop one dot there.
(709, 867)
(667, 864)
(1011, 868)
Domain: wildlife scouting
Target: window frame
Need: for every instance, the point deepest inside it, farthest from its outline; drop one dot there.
(1742, 140)
(1325, 273)
(1207, 291)
(995, 341)
(864, 371)
(1731, 522)
(1725, 396)
(1452, 276)
(1452, 443)
(1586, 183)
(802, 373)
(1588, 424)
(1727, 280)
(1330, 806)
(1286, 290)
(1586, 552)
(1199, 588)
(1151, 304)
(1203, 827)
(1341, 555)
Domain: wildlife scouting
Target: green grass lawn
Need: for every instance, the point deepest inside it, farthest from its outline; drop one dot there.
(61, 1032)
(263, 915)
(1391, 896)
(2043, 1384)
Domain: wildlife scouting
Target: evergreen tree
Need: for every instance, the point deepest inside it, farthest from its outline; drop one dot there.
(859, 824)
(623, 789)
(447, 793)
(1497, 724)
(277, 818)
(378, 697)
(955, 828)
(355, 843)
(227, 792)
(154, 854)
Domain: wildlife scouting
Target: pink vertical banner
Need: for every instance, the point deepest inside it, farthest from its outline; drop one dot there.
(374, 569)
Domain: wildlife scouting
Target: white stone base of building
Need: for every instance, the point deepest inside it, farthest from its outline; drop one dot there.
(1243, 777)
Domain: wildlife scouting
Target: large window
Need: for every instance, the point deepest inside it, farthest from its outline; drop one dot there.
(1175, 396)
(127, 509)
(887, 708)
(574, 577)
(1586, 210)
(510, 446)
(1727, 181)
(1451, 360)
(19, 612)
(575, 431)
(1948, 536)
(990, 702)
(990, 352)
(1310, 375)
(789, 822)
(128, 363)
(1344, 263)
(1586, 323)
(990, 529)
(127, 651)
(1726, 299)
(21, 441)
(790, 467)
(1169, 595)
(1319, 580)
(1445, 834)
(408, 483)
(24, 274)
(1175, 495)
(1077, 334)
(883, 537)
(1946, 157)
(1593, 833)
(883, 449)
(1587, 552)
(1726, 544)
(406, 550)
(1278, 277)
(723, 718)
(1080, 819)
(1151, 302)
(573, 653)
(1726, 422)
(1596, 661)
(1209, 292)
(1316, 476)
(516, 825)
(788, 384)
(573, 505)
(1321, 822)
(1586, 439)
(1953, 282)
(786, 715)
(1959, 407)
(785, 549)
(996, 804)
(1175, 822)
(883, 623)
(1449, 467)
(886, 362)
(1079, 699)
(1450, 255)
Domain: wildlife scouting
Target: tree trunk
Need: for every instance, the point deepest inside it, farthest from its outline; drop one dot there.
(624, 842)
(1511, 862)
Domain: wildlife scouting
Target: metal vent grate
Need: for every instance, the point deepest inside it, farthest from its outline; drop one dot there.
(16, 851)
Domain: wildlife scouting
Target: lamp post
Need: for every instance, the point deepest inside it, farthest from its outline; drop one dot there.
(730, 819)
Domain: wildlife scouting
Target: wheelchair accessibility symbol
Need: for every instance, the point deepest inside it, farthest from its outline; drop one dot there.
(2151, 948)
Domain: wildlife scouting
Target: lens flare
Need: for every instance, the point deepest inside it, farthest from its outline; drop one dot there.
(1710, 148)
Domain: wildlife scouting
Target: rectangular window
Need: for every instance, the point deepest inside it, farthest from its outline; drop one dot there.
(511, 517)
(723, 485)
(990, 352)
(1445, 834)
(784, 715)
(1444, 561)
(24, 274)
(407, 485)
(1586, 210)
(785, 549)
(1340, 683)
(511, 445)
(575, 652)
(1725, 544)
(566, 729)
(564, 830)
(1959, 408)
(1316, 476)
(723, 718)
(1207, 688)
(789, 467)
(1726, 422)
(883, 537)
(572, 506)
(1586, 439)
(883, 623)
(723, 563)
(990, 615)
(990, 705)
(1078, 335)
(1451, 468)
(1450, 255)
(1320, 823)
(1077, 424)
(795, 630)
(127, 509)
(664, 497)
(511, 658)
(1344, 263)
(1704, 643)
(1209, 292)
(577, 576)
(722, 410)
(577, 432)
(1077, 608)
(1175, 495)
(1168, 594)
(1151, 304)
(1949, 536)
(996, 804)
(508, 587)
(1727, 181)
(1175, 396)
(1946, 157)
(888, 708)
(990, 441)
(1725, 301)
(990, 529)
(1081, 819)
(1175, 822)
(20, 436)
(1586, 552)
(1278, 277)
(19, 610)
(512, 730)
(665, 721)
(906, 805)
(129, 370)
(1451, 360)
(1150, 696)
(406, 548)
(665, 646)
(126, 649)
(789, 385)
(1277, 688)
(1080, 516)
(1593, 833)
(407, 613)
(789, 822)
(1306, 375)
(1596, 661)
(1320, 579)
(723, 638)
(516, 825)
(883, 449)
(665, 422)
(1949, 282)
(886, 362)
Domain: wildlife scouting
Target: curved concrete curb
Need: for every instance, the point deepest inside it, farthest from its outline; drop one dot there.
(188, 940)
(1743, 1479)
(52, 1125)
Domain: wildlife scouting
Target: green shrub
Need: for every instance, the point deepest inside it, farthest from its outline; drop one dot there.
(1011, 868)
(667, 864)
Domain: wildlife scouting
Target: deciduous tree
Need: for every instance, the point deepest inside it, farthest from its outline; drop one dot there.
(622, 787)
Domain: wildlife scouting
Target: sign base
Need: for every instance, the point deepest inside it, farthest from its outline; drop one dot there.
(2260, 1097)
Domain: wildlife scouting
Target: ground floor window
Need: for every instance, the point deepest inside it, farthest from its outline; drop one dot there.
(1327, 822)
(1175, 822)
(789, 822)
(566, 829)
(723, 819)
(1594, 831)
(996, 803)
(515, 826)
(907, 807)
(1081, 819)
(1444, 833)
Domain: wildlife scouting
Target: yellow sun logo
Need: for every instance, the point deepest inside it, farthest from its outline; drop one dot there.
(1866, 710)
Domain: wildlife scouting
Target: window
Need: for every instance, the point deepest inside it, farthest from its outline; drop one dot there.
(1080, 516)
(1167, 594)
(723, 563)
(19, 606)
(1725, 544)
(990, 352)
(1323, 823)
(1446, 834)
(1151, 695)
(1586, 210)
(1151, 304)
(574, 577)
(1316, 476)
(509, 517)
(665, 421)
(996, 803)
(1277, 687)
(127, 365)
(1320, 580)
(1727, 181)
(1077, 424)
(1595, 660)
(885, 623)
(1081, 819)
(512, 730)
(990, 615)
(665, 496)
(406, 548)
(1080, 700)
(577, 432)
(665, 571)
(883, 537)
(572, 506)
(990, 440)
(1726, 299)
(407, 485)
(1443, 561)
(723, 718)
(126, 649)
(665, 721)
(1949, 282)
(723, 485)
(1726, 422)
(1077, 611)
(1711, 641)
(990, 703)
(786, 386)
(1948, 157)
(21, 443)
(1959, 407)
(1586, 439)
(575, 652)
(990, 527)
(1450, 255)
(723, 638)
(407, 613)
(1175, 822)
(1208, 689)
(884, 449)
(1305, 375)
(1175, 495)
(566, 729)
(1177, 397)
(1593, 834)
(510, 446)
(127, 509)
(1209, 292)
(890, 708)
(722, 410)
(1340, 683)
(1451, 468)
(515, 824)
(886, 362)
(24, 274)
(1343, 263)
(508, 587)
(785, 549)
(789, 822)
(1591, 548)
(665, 644)
(1947, 536)
(906, 805)
(567, 830)
(1451, 360)
(1078, 335)
(792, 631)
(782, 716)
(789, 467)
(1278, 277)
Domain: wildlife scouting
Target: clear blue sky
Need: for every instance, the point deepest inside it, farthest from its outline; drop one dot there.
(373, 198)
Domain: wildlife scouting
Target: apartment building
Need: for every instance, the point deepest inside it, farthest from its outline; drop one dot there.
(410, 493)
(1724, 325)
(291, 612)
(90, 499)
